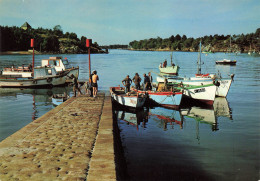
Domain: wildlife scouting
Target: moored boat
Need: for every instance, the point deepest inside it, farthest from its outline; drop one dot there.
(223, 84)
(226, 62)
(131, 99)
(58, 63)
(43, 77)
(202, 93)
(170, 70)
(168, 99)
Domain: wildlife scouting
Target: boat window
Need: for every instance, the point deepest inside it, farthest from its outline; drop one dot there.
(57, 63)
(65, 62)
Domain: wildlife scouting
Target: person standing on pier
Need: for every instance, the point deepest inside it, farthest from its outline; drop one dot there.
(149, 86)
(146, 82)
(127, 83)
(137, 81)
(95, 78)
(75, 85)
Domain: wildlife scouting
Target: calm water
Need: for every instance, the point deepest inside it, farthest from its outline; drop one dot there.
(221, 143)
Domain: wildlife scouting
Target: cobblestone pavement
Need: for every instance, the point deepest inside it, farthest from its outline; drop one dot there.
(56, 146)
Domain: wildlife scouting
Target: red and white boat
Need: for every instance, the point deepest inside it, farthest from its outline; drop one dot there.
(168, 99)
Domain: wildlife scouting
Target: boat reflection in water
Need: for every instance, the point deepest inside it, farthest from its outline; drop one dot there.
(167, 118)
(162, 141)
(40, 97)
(209, 115)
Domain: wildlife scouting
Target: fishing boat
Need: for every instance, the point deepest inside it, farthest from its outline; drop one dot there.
(165, 98)
(223, 84)
(43, 77)
(171, 70)
(58, 63)
(58, 99)
(202, 93)
(226, 62)
(131, 99)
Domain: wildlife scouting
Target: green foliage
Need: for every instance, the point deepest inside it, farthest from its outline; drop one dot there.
(45, 40)
(211, 43)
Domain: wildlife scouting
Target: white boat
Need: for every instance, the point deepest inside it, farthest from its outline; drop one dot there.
(202, 93)
(170, 70)
(223, 84)
(43, 77)
(226, 62)
(61, 65)
(133, 99)
(58, 63)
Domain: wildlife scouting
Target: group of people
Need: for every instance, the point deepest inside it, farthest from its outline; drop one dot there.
(91, 86)
(148, 79)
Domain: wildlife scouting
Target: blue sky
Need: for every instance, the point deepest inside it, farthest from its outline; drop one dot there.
(122, 21)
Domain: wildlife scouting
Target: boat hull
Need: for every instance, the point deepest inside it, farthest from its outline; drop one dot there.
(170, 70)
(165, 99)
(204, 94)
(32, 83)
(127, 100)
(222, 89)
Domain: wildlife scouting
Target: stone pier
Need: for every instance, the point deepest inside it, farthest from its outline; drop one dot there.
(74, 141)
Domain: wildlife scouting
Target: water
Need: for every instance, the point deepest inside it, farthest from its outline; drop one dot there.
(221, 143)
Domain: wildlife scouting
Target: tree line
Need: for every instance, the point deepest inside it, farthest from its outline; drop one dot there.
(215, 43)
(45, 40)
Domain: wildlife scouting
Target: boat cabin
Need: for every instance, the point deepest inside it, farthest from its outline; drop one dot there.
(57, 62)
(43, 72)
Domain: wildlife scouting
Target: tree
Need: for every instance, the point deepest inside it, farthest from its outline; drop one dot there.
(178, 37)
(58, 30)
(50, 44)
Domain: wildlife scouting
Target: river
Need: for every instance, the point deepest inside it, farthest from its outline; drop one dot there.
(221, 143)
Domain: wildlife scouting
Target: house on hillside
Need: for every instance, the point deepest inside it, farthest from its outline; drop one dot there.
(26, 26)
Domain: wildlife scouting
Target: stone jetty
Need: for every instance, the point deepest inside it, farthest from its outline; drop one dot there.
(74, 141)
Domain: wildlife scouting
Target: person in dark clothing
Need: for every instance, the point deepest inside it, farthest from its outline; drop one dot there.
(75, 85)
(146, 82)
(149, 86)
(137, 81)
(127, 82)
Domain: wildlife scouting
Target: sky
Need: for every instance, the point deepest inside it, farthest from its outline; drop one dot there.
(110, 22)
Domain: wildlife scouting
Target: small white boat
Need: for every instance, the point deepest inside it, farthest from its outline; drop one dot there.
(58, 99)
(43, 77)
(171, 70)
(133, 99)
(226, 62)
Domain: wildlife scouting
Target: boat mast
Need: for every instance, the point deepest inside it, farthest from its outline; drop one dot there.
(199, 61)
(171, 59)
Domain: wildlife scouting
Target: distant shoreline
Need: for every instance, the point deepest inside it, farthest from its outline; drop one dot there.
(36, 53)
